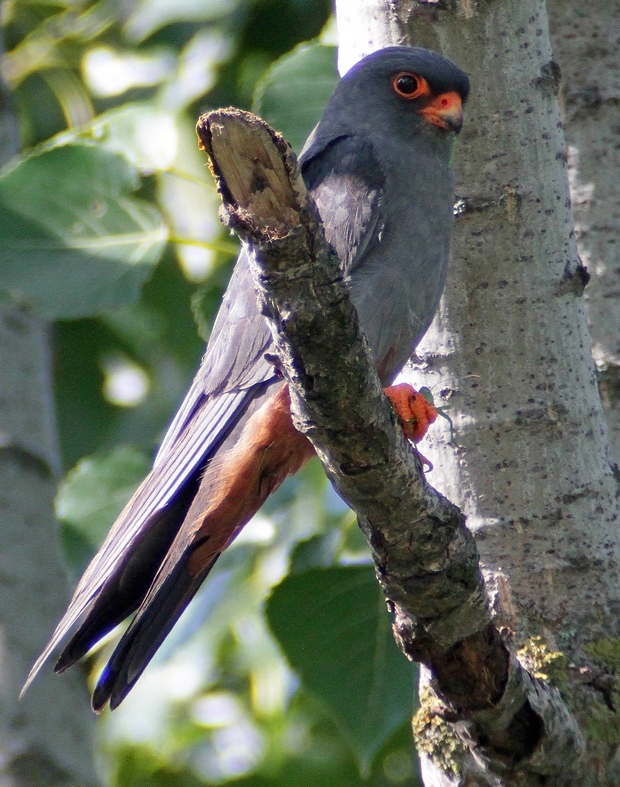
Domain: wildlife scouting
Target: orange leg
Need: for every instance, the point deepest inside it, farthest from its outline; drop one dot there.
(415, 412)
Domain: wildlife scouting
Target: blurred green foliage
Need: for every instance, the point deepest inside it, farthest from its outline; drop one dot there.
(336, 617)
(108, 224)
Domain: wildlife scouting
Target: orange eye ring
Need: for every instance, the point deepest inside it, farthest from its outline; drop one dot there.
(408, 85)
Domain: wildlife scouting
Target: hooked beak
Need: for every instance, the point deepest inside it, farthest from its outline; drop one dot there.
(445, 111)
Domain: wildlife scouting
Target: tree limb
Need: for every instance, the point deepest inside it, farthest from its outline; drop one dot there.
(425, 557)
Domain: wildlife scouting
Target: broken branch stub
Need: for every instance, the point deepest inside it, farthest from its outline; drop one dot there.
(253, 165)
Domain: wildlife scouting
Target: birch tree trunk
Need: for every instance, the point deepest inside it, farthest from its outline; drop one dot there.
(586, 44)
(510, 352)
(46, 739)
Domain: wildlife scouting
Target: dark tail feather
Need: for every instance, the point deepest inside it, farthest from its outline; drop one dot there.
(151, 625)
(101, 619)
(129, 585)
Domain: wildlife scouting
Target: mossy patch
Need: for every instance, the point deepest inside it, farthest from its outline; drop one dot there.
(607, 651)
(435, 737)
(601, 724)
(543, 663)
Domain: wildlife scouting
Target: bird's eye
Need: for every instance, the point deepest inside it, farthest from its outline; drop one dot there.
(406, 84)
(409, 85)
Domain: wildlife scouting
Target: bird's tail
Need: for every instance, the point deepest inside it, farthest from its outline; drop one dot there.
(233, 488)
(145, 635)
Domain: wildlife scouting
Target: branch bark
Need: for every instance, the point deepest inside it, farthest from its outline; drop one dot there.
(425, 557)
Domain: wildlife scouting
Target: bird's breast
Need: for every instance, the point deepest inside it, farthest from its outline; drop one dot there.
(397, 289)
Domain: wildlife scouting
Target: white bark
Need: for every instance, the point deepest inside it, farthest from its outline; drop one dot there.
(510, 348)
(46, 737)
(585, 36)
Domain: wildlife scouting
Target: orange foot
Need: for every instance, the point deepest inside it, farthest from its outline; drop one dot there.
(413, 409)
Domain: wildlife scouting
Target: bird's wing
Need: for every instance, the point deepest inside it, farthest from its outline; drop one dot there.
(347, 184)
(233, 371)
(233, 361)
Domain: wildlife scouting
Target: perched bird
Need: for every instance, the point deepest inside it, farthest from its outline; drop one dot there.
(378, 167)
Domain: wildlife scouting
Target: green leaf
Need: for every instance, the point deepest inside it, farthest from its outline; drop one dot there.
(335, 631)
(73, 242)
(145, 134)
(294, 92)
(147, 17)
(93, 494)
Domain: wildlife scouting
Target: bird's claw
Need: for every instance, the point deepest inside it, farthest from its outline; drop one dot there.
(416, 413)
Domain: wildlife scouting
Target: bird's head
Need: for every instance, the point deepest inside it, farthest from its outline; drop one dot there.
(407, 86)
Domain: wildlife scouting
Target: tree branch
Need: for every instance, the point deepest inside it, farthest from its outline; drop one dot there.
(425, 557)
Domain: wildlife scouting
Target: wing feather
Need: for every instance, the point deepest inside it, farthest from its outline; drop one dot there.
(235, 356)
(347, 185)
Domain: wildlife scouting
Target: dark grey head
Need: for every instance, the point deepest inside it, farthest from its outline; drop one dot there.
(405, 90)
